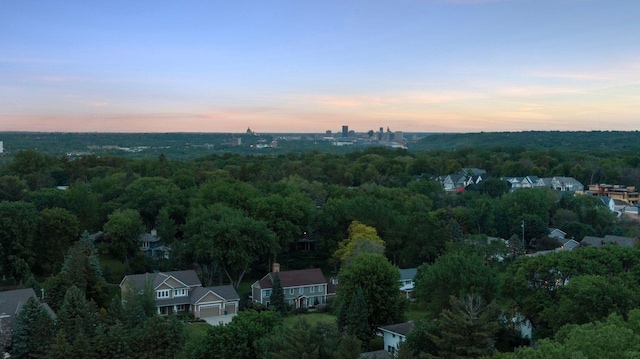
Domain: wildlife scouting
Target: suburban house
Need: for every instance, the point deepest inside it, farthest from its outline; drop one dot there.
(557, 234)
(11, 302)
(566, 184)
(394, 334)
(302, 288)
(181, 292)
(151, 244)
(590, 241)
(407, 281)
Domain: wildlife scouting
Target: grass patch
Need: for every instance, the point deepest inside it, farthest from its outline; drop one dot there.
(416, 311)
(313, 318)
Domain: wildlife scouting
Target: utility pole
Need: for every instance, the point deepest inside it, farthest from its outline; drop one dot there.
(524, 243)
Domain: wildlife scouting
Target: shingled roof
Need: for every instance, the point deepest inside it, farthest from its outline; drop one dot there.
(401, 328)
(11, 302)
(294, 278)
(188, 277)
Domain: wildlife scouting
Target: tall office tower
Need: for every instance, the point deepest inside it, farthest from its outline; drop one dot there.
(345, 131)
(1, 146)
(397, 136)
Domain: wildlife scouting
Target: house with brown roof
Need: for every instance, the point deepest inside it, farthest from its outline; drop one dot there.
(181, 292)
(302, 288)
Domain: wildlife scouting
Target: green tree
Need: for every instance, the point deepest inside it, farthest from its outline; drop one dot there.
(124, 228)
(361, 239)
(277, 296)
(77, 316)
(18, 223)
(468, 329)
(296, 342)
(228, 238)
(57, 229)
(463, 271)
(80, 268)
(12, 188)
(379, 282)
(33, 331)
(357, 318)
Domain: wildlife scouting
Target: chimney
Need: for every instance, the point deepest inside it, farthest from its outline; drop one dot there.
(154, 232)
(276, 267)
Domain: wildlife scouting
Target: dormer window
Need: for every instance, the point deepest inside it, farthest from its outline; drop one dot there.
(162, 293)
(180, 292)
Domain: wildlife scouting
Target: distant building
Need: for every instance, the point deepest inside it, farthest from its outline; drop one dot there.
(398, 137)
(1, 147)
(345, 131)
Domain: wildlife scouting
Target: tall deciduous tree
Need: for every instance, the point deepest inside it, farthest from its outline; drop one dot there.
(379, 282)
(362, 239)
(18, 224)
(463, 272)
(124, 228)
(230, 239)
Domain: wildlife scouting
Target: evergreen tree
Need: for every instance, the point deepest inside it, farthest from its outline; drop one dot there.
(467, 330)
(33, 332)
(77, 316)
(60, 349)
(349, 348)
(277, 296)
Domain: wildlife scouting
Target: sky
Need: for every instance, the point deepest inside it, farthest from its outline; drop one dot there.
(312, 66)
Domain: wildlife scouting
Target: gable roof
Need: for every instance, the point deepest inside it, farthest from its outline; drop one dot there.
(294, 278)
(11, 302)
(409, 273)
(188, 277)
(226, 292)
(401, 328)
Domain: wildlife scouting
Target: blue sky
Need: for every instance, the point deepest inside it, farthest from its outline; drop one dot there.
(300, 66)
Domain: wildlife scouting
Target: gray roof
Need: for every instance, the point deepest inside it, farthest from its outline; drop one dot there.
(599, 242)
(148, 237)
(401, 328)
(11, 302)
(409, 273)
(226, 292)
(188, 277)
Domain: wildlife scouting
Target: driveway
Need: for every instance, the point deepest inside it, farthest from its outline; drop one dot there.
(219, 319)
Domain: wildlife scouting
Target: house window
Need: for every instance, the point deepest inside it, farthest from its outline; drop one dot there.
(320, 289)
(180, 292)
(180, 308)
(162, 293)
(290, 301)
(301, 290)
(292, 291)
(313, 288)
(267, 292)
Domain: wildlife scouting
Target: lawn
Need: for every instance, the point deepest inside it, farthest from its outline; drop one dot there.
(116, 268)
(313, 318)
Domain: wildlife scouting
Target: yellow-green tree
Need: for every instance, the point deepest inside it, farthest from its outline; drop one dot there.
(362, 239)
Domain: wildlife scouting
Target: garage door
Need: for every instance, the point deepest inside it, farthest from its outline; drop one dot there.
(231, 308)
(209, 310)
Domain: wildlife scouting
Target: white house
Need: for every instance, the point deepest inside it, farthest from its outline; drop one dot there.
(394, 334)
(407, 281)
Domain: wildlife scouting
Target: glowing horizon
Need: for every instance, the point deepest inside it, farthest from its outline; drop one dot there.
(413, 66)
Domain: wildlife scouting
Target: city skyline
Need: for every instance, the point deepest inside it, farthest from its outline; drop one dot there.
(286, 66)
